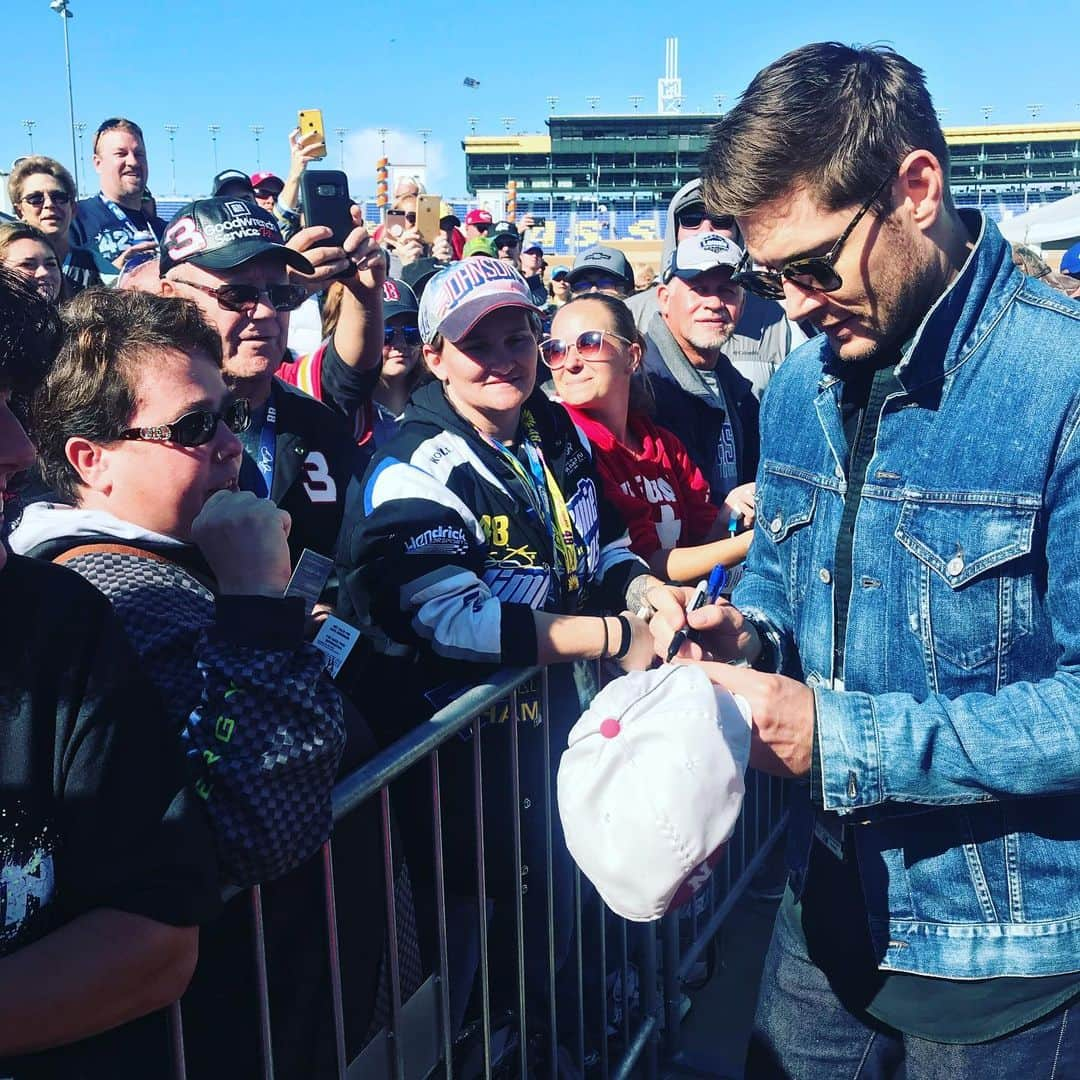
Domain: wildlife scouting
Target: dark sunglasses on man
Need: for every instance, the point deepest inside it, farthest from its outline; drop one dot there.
(195, 428)
(693, 217)
(245, 298)
(36, 199)
(817, 274)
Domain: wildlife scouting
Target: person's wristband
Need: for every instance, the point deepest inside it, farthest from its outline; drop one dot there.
(604, 650)
(626, 639)
(767, 660)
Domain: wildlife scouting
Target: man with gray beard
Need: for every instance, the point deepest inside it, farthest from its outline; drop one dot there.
(699, 394)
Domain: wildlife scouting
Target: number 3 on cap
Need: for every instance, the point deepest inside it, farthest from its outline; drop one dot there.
(318, 483)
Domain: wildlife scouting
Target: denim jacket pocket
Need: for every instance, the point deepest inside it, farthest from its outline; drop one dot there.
(969, 590)
(785, 506)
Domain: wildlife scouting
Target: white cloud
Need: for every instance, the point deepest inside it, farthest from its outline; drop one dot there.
(403, 148)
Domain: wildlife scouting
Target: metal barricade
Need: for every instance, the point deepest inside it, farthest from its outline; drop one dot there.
(585, 1016)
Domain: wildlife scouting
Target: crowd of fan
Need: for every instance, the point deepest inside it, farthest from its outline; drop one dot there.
(487, 461)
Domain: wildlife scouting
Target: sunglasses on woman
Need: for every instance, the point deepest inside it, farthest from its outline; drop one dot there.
(817, 274)
(196, 428)
(409, 334)
(589, 346)
(245, 298)
(36, 199)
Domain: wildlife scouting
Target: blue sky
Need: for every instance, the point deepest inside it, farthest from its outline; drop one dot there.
(197, 62)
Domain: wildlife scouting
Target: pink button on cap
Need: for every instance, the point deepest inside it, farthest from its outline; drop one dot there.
(610, 727)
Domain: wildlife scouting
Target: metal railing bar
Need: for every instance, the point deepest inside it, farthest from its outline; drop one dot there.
(266, 1048)
(333, 957)
(519, 906)
(440, 915)
(176, 1041)
(481, 889)
(394, 1035)
(553, 1029)
(415, 744)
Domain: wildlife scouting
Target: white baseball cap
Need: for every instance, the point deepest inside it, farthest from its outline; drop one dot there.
(651, 785)
(700, 253)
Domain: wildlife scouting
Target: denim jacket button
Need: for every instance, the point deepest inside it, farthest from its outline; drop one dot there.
(838, 472)
(776, 524)
(824, 574)
(955, 566)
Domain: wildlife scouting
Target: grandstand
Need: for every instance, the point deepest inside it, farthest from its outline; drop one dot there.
(597, 177)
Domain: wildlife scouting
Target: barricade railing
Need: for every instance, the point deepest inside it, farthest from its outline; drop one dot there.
(579, 1014)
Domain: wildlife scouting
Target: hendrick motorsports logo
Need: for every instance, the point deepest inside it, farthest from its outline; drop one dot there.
(442, 540)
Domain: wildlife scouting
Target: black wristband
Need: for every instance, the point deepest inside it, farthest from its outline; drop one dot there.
(604, 650)
(627, 637)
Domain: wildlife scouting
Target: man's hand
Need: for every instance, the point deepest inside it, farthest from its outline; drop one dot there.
(722, 631)
(244, 539)
(781, 737)
(740, 502)
(359, 262)
(134, 249)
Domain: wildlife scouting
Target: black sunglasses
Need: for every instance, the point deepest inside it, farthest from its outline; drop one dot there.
(600, 284)
(245, 298)
(196, 428)
(112, 124)
(589, 345)
(36, 199)
(691, 219)
(410, 334)
(818, 274)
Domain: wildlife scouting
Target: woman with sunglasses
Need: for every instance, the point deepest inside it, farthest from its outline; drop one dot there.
(374, 413)
(43, 194)
(27, 252)
(137, 431)
(594, 354)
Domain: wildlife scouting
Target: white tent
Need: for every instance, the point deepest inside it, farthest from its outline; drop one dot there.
(1044, 224)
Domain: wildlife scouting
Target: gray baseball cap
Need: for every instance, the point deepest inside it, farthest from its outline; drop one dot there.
(700, 253)
(603, 260)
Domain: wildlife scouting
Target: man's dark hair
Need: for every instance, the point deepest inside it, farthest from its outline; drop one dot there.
(833, 118)
(90, 391)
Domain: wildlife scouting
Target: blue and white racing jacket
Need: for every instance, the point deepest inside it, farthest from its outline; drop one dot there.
(450, 557)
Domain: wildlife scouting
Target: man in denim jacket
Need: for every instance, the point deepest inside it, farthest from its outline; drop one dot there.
(912, 600)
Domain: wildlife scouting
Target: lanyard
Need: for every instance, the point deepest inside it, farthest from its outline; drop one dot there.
(120, 214)
(545, 499)
(267, 445)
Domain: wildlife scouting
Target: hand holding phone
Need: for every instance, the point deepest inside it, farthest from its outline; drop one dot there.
(312, 132)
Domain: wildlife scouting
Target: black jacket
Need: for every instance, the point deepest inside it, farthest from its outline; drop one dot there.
(317, 470)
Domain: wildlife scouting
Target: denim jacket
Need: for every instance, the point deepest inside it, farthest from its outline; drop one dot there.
(952, 745)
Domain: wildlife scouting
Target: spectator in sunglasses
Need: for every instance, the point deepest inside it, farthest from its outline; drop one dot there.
(139, 433)
(227, 257)
(27, 252)
(602, 269)
(764, 336)
(114, 224)
(595, 355)
(374, 414)
(43, 194)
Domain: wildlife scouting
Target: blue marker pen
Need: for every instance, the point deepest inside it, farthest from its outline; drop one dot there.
(705, 593)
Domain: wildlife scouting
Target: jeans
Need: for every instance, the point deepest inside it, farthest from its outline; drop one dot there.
(802, 1032)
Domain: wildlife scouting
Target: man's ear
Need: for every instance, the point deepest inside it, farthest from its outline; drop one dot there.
(663, 295)
(921, 187)
(91, 461)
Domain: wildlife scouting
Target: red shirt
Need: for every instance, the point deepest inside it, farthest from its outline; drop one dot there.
(660, 492)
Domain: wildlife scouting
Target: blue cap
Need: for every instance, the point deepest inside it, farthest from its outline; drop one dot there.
(1070, 261)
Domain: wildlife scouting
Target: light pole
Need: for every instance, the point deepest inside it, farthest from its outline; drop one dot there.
(987, 110)
(80, 130)
(424, 133)
(172, 129)
(341, 133)
(593, 101)
(636, 100)
(63, 10)
(552, 102)
(508, 122)
(214, 130)
(383, 132)
(1035, 110)
(29, 125)
(257, 130)
(719, 99)
(473, 121)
